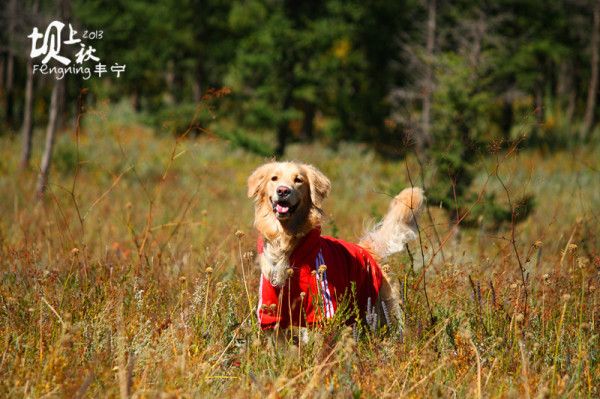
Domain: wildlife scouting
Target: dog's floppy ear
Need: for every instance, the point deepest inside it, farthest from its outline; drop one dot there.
(257, 179)
(319, 185)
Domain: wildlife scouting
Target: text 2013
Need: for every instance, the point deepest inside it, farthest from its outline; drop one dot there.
(92, 34)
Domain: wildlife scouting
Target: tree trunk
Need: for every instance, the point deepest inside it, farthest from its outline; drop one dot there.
(425, 139)
(198, 78)
(563, 82)
(169, 97)
(10, 106)
(308, 122)
(539, 104)
(283, 132)
(10, 62)
(571, 102)
(2, 93)
(136, 101)
(2, 67)
(588, 119)
(57, 98)
(27, 129)
(10, 71)
(42, 182)
(283, 129)
(507, 118)
(65, 13)
(565, 90)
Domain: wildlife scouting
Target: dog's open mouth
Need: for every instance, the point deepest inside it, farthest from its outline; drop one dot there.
(283, 209)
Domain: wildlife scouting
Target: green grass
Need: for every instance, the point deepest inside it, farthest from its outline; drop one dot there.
(105, 288)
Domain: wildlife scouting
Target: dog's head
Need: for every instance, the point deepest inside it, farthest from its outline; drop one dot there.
(289, 193)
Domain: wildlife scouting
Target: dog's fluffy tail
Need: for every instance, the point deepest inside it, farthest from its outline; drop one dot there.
(397, 227)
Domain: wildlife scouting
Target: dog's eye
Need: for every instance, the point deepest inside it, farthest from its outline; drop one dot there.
(298, 180)
(274, 178)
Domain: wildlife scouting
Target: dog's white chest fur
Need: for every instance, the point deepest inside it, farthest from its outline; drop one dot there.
(274, 264)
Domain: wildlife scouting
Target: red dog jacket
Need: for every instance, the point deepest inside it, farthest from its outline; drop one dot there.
(346, 264)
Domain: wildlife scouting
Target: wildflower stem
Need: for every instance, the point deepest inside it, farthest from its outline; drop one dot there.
(244, 275)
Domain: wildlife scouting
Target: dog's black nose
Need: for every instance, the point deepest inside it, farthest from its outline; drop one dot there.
(283, 191)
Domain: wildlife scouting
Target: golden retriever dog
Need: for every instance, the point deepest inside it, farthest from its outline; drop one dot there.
(306, 275)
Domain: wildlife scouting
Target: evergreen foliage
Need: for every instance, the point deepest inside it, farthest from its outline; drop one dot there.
(338, 71)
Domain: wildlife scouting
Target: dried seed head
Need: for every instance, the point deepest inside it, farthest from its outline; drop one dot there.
(322, 268)
(289, 271)
(513, 286)
(204, 212)
(592, 288)
(386, 268)
(66, 340)
(182, 279)
(585, 326)
(248, 256)
(538, 244)
(566, 297)
(272, 306)
(314, 273)
(546, 276)
(302, 295)
(239, 234)
(582, 262)
(208, 270)
(75, 251)
(519, 317)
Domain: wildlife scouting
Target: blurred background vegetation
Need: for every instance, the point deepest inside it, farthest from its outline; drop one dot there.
(450, 81)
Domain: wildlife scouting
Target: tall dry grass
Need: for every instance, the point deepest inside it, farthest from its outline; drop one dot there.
(129, 279)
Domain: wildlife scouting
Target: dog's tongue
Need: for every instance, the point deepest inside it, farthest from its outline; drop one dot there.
(281, 209)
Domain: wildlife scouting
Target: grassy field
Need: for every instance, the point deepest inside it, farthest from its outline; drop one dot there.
(130, 279)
